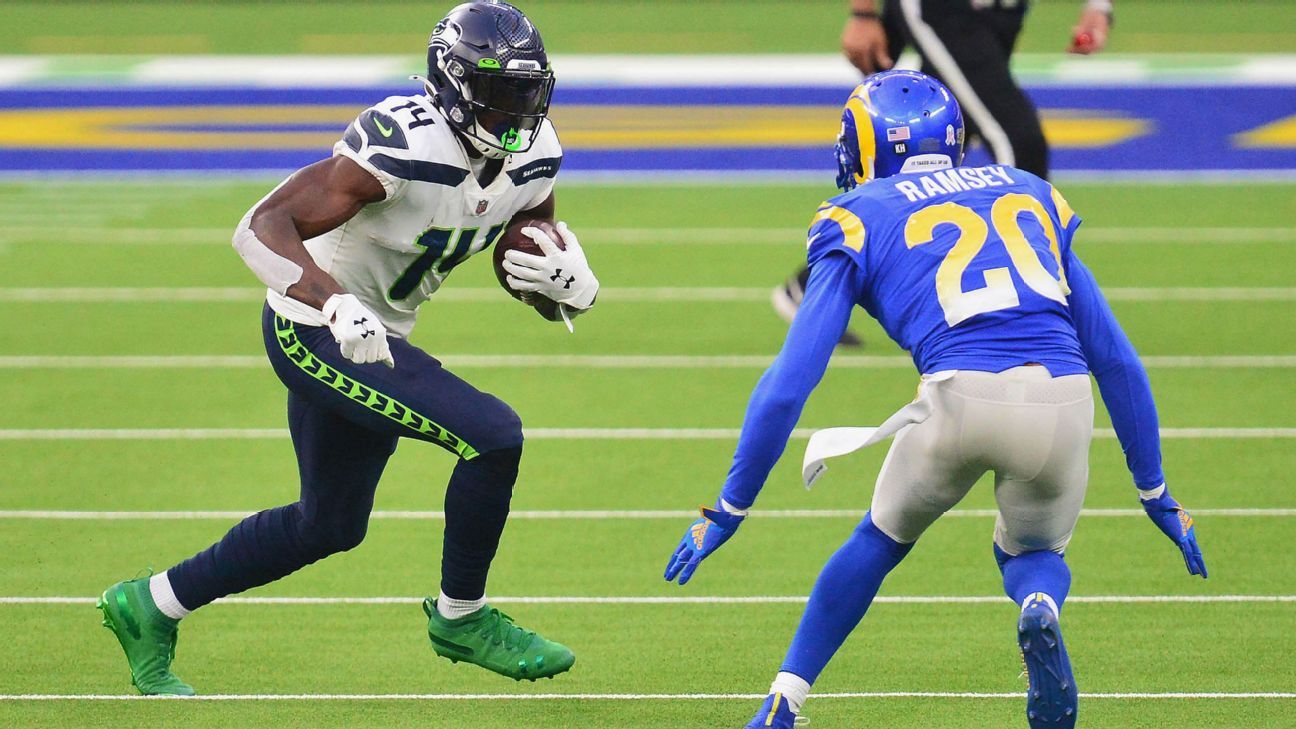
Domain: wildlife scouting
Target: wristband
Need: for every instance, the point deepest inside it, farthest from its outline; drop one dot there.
(865, 15)
(729, 508)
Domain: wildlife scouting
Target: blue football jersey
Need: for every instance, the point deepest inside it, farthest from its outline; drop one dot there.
(962, 267)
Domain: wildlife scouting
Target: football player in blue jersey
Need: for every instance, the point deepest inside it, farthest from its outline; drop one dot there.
(972, 271)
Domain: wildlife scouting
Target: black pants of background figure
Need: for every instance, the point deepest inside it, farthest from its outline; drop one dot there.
(345, 421)
(968, 49)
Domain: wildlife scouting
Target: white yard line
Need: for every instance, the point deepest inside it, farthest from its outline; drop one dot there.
(640, 294)
(580, 514)
(1223, 293)
(701, 600)
(592, 362)
(130, 295)
(17, 229)
(1212, 695)
(28, 434)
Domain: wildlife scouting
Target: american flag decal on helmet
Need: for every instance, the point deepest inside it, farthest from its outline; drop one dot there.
(897, 134)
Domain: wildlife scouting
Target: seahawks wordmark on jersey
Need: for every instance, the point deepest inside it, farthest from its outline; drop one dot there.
(394, 254)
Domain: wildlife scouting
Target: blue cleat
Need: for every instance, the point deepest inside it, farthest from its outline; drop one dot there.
(775, 712)
(1052, 698)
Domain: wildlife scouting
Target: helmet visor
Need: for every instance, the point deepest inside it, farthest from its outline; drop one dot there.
(511, 100)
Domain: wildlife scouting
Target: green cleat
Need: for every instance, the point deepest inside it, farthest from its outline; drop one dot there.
(147, 636)
(490, 639)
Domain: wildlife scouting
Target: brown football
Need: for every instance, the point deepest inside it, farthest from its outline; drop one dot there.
(513, 240)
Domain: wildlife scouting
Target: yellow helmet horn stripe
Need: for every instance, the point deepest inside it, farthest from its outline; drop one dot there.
(863, 131)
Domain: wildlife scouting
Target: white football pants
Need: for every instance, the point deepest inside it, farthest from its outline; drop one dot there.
(1030, 428)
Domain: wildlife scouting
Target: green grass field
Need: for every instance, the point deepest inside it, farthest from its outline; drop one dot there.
(582, 26)
(140, 273)
(134, 381)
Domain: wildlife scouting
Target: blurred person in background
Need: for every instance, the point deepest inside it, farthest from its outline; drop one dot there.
(967, 45)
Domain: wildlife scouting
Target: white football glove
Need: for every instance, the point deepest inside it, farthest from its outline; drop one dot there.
(562, 275)
(362, 337)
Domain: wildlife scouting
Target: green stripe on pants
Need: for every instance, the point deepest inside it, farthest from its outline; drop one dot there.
(384, 405)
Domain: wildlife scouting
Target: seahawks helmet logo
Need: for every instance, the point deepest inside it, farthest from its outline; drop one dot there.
(444, 37)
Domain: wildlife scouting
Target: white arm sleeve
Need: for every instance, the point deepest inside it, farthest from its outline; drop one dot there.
(274, 270)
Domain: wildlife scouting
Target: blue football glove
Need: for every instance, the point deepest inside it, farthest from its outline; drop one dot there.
(703, 537)
(1175, 522)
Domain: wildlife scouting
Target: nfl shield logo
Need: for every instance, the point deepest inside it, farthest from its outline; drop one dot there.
(481, 206)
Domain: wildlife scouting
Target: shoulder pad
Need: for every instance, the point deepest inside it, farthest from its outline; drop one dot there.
(834, 227)
(546, 143)
(386, 138)
(1065, 214)
(382, 130)
(541, 161)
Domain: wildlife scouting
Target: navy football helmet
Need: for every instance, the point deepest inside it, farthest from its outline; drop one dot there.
(897, 121)
(489, 75)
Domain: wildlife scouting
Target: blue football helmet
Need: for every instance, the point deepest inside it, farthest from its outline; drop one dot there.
(490, 76)
(897, 121)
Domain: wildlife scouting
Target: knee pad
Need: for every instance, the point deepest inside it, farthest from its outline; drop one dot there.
(498, 427)
(331, 535)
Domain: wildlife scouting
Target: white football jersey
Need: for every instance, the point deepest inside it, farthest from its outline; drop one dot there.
(394, 254)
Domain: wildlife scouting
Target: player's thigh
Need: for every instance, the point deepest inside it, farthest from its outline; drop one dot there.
(418, 398)
(922, 477)
(1039, 511)
(340, 463)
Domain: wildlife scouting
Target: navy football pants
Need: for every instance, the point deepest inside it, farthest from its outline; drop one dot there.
(345, 421)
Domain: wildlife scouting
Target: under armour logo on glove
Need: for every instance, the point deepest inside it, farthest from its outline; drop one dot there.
(364, 332)
(567, 280)
(561, 274)
(362, 342)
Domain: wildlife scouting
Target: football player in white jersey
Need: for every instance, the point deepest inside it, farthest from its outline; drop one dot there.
(349, 248)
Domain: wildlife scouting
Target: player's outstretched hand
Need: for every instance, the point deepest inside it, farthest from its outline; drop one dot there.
(703, 537)
(561, 274)
(1175, 522)
(358, 331)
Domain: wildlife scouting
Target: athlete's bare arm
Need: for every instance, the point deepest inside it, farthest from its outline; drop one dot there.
(315, 200)
(543, 211)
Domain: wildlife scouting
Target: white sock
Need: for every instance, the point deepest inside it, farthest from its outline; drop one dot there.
(164, 597)
(1038, 597)
(450, 608)
(792, 688)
